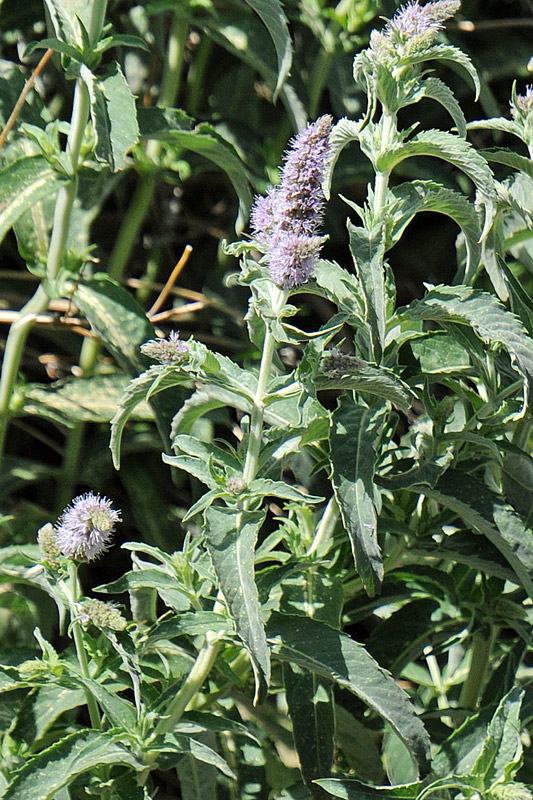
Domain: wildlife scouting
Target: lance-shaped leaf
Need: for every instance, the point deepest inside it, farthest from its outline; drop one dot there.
(486, 513)
(365, 377)
(113, 115)
(342, 134)
(502, 751)
(271, 12)
(501, 155)
(231, 536)
(435, 89)
(349, 789)
(309, 696)
(368, 250)
(485, 315)
(23, 184)
(328, 652)
(52, 769)
(355, 432)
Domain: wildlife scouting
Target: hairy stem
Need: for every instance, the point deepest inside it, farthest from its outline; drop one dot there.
(326, 526)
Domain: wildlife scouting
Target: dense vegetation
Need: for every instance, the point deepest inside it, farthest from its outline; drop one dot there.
(287, 552)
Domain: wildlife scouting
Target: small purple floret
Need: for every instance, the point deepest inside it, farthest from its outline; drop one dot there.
(85, 528)
(523, 103)
(167, 351)
(287, 220)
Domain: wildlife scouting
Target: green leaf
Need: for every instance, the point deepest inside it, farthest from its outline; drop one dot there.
(417, 196)
(24, 183)
(271, 12)
(445, 52)
(231, 537)
(355, 433)
(117, 318)
(57, 45)
(332, 654)
(484, 314)
(367, 378)
(439, 353)
(310, 697)
(196, 779)
(502, 751)
(435, 89)
(484, 511)
(42, 709)
(113, 115)
(453, 149)
(120, 712)
(192, 623)
(342, 134)
(46, 773)
(355, 790)
(170, 747)
(93, 399)
(340, 287)
(508, 158)
(207, 142)
(368, 250)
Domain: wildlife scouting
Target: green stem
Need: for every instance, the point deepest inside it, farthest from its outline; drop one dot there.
(479, 664)
(381, 185)
(326, 526)
(258, 411)
(190, 687)
(80, 647)
(20, 329)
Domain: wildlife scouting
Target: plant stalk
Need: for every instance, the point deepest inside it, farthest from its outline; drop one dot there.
(479, 664)
(80, 647)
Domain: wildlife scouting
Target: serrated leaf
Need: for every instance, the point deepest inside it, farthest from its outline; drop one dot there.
(326, 651)
(500, 155)
(23, 183)
(310, 697)
(451, 148)
(367, 378)
(113, 115)
(271, 12)
(47, 773)
(485, 315)
(446, 52)
(231, 537)
(340, 287)
(368, 250)
(207, 142)
(170, 748)
(502, 750)
(417, 196)
(119, 711)
(435, 89)
(355, 432)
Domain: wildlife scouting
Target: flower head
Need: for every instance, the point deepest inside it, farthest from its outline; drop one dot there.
(86, 527)
(523, 103)
(287, 220)
(167, 351)
(101, 615)
(414, 20)
(335, 363)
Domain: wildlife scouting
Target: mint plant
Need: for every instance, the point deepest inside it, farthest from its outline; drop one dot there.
(345, 611)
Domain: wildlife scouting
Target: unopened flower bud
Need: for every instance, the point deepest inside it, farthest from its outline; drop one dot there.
(50, 550)
(101, 615)
(235, 485)
(523, 103)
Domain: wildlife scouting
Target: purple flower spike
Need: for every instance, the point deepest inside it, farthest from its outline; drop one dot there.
(287, 220)
(86, 527)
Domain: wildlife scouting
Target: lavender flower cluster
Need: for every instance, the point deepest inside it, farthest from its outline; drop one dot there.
(287, 219)
(83, 532)
(414, 25)
(167, 351)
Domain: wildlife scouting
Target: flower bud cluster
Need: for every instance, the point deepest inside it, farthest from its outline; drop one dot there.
(50, 550)
(335, 363)
(167, 351)
(413, 26)
(287, 220)
(101, 615)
